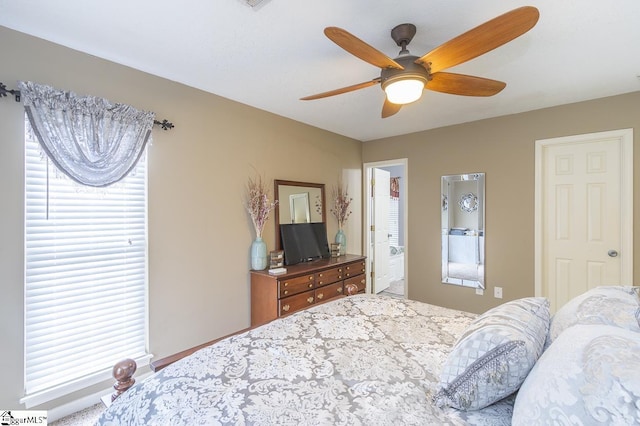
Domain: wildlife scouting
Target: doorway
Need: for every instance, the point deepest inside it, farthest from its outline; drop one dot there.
(386, 227)
(584, 214)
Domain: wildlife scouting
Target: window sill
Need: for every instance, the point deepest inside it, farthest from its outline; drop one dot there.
(59, 391)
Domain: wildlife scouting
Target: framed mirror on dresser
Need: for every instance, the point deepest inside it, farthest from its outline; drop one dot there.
(297, 202)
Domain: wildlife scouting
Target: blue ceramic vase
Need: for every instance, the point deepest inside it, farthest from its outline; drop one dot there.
(341, 239)
(258, 254)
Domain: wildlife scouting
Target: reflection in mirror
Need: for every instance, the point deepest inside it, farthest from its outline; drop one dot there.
(298, 202)
(463, 230)
(299, 208)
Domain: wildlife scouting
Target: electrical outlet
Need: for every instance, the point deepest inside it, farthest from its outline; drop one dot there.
(497, 292)
(479, 292)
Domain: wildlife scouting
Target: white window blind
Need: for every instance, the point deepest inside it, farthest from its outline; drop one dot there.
(85, 278)
(394, 221)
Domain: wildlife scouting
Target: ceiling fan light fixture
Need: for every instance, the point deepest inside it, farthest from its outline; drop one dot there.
(404, 90)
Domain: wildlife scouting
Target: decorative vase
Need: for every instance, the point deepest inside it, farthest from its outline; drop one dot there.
(258, 254)
(341, 239)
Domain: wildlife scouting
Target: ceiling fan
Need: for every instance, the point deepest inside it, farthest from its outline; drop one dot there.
(404, 78)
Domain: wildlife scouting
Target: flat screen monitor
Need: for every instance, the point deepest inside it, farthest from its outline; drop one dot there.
(304, 242)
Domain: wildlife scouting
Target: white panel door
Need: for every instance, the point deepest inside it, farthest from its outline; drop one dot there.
(584, 216)
(381, 179)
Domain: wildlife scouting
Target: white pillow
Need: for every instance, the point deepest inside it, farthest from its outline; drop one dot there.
(589, 375)
(492, 358)
(611, 305)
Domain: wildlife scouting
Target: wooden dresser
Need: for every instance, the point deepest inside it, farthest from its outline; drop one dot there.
(303, 285)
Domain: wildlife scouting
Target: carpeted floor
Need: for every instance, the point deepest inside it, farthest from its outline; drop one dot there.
(86, 417)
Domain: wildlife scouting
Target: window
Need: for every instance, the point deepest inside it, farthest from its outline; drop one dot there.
(85, 277)
(394, 222)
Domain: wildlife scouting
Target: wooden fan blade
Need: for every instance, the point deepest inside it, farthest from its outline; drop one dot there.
(359, 48)
(466, 85)
(389, 108)
(342, 90)
(481, 39)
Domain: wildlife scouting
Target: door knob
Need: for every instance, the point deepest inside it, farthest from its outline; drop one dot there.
(612, 253)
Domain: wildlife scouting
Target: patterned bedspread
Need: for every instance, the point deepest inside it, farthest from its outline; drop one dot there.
(359, 360)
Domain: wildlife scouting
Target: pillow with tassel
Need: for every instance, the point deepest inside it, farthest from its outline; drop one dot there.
(493, 357)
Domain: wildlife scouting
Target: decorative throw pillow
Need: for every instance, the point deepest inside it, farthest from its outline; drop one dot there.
(612, 305)
(590, 375)
(493, 357)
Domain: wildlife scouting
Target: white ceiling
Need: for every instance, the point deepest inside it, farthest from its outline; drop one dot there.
(270, 56)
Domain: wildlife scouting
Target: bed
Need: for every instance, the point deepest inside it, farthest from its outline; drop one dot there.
(376, 360)
(359, 360)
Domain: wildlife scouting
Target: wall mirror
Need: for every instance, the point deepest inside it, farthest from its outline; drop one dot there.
(463, 231)
(298, 202)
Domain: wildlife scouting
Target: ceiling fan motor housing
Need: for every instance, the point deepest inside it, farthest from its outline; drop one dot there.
(411, 71)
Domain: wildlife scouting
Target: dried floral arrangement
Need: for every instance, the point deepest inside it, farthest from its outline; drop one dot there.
(341, 203)
(258, 204)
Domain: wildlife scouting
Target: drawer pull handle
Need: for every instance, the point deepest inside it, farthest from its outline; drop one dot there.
(348, 267)
(310, 300)
(362, 269)
(286, 292)
(286, 308)
(311, 285)
(319, 283)
(319, 275)
(320, 296)
(340, 270)
(286, 284)
(310, 277)
(339, 289)
(350, 289)
(362, 281)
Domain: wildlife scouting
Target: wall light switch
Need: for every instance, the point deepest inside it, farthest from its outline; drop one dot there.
(497, 292)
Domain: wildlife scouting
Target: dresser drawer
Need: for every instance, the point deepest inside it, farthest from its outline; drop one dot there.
(291, 286)
(329, 291)
(288, 305)
(360, 281)
(354, 269)
(303, 285)
(329, 276)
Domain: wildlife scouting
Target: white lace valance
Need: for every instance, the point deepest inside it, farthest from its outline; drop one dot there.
(91, 140)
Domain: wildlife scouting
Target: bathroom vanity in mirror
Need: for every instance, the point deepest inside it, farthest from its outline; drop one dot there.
(463, 230)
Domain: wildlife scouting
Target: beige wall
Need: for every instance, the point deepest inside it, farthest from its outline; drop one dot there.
(503, 148)
(199, 232)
